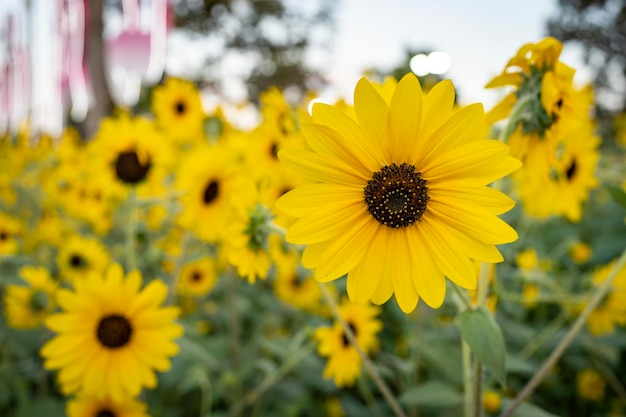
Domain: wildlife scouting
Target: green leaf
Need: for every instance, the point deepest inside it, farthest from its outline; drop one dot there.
(484, 337)
(526, 410)
(618, 195)
(433, 394)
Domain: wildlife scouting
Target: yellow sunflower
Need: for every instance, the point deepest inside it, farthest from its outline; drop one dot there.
(27, 307)
(198, 277)
(209, 179)
(344, 362)
(112, 336)
(400, 197)
(85, 406)
(294, 285)
(10, 232)
(590, 385)
(178, 109)
(131, 151)
(81, 256)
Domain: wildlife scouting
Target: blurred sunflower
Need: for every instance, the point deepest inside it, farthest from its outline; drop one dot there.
(81, 256)
(209, 179)
(178, 109)
(247, 241)
(10, 232)
(294, 285)
(612, 311)
(85, 406)
(197, 277)
(400, 199)
(590, 385)
(344, 362)
(131, 151)
(27, 307)
(112, 336)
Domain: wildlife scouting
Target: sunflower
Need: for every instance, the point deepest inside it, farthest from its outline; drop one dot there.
(85, 406)
(81, 256)
(590, 385)
(10, 232)
(198, 277)
(27, 307)
(400, 197)
(112, 336)
(293, 285)
(210, 180)
(178, 109)
(344, 362)
(131, 150)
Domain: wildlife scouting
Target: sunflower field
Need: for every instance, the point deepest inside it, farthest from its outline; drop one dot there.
(403, 256)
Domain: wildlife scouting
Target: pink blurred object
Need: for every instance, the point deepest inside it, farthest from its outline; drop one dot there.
(136, 55)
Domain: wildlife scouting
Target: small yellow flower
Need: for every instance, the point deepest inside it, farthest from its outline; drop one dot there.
(530, 293)
(344, 362)
(590, 385)
(492, 401)
(580, 252)
(526, 260)
(10, 232)
(27, 307)
(198, 277)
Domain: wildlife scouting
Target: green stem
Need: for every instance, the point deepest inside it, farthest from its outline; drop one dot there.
(369, 366)
(568, 338)
(478, 390)
(130, 238)
(511, 124)
(536, 342)
(463, 298)
(468, 383)
(179, 262)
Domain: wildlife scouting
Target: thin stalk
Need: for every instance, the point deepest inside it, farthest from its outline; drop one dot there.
(568, 338)
(130, 229)
(511, 124)
(253, 396)
(369, 366)
(478, 390)
(468, 383)
(463, 298)
(179, 261)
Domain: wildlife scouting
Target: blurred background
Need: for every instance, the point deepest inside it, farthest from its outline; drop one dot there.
(70, 61)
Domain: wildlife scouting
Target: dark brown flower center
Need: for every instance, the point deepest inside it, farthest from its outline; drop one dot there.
(274, 150)
(77, 261)
(345, 340)
(105, 413)
(396, 196)
(114, 331)
(211, 192)
(570, 173)
(180, 108)
(196, 276)
(4, 235)
(129, 169)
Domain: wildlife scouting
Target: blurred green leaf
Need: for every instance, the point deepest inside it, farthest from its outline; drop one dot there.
(618, 195)
(483, 335)
(433, 394)
(526, 410)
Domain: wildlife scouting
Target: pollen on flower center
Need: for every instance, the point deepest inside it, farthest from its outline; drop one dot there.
(105, 413)
(114, 331)
(396, 196)
(129, 169)
(211, 192)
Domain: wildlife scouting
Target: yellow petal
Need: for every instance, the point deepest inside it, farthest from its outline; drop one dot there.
(365, 278)
(327, 223)
(404, 118)
(305, 199)
(401, 271)
(350, 133)
(318, 168)
(428, 279)
(438, 104)
(371, 111)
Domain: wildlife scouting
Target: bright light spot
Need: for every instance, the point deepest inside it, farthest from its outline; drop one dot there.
(438, 62)
(433, 63)
(419, 64)
(311, 103)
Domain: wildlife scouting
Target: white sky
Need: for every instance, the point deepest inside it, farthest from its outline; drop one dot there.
(479, 35)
